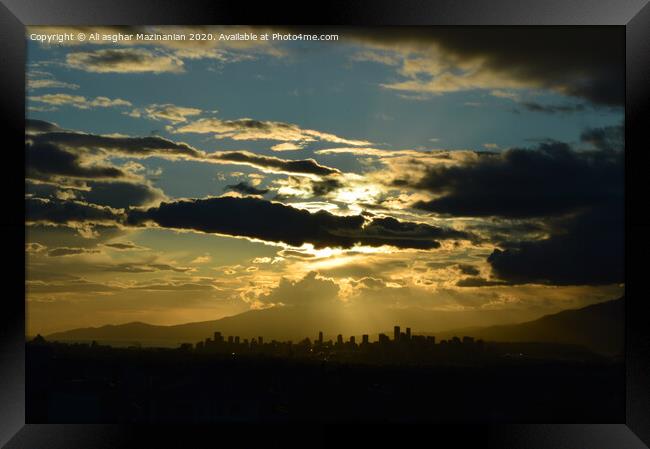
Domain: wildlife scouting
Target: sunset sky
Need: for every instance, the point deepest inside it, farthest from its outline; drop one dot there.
(429, 168)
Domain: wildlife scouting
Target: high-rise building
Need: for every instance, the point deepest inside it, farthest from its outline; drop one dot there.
(230, 339)
(320, 338)
(260, 340)
(408, 333)
(237, 340)
(364, 339)
(339, 339)
(396, 333)
(218, 338)
(352, 340)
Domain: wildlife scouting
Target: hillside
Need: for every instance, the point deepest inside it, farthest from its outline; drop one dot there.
(600, 327)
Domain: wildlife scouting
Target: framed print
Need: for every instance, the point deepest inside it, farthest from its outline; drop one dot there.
(393, 220)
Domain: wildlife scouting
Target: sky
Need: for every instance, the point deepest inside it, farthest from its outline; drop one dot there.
(438, 169)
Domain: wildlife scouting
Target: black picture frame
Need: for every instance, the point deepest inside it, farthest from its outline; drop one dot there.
(633, 15)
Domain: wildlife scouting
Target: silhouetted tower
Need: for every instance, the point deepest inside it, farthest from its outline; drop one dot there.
(230, 339)
(364, 339)
(339, 339)
(218, 338)
(408, 333)
(320, 338)
(237, 340)
(260, 340)
(352, 340)
(396, 333)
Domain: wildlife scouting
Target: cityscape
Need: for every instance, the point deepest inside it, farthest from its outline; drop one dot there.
(403, 347)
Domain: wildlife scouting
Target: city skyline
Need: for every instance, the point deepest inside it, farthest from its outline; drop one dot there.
(451, 170)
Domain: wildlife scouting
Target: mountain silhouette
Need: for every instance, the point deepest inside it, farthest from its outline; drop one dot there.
(285, 323)
(599, 327)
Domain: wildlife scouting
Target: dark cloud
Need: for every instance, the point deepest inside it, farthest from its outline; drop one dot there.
(121, 194)
(608, 138)
(128, 146)
(306, 166)
(141, 268)
(478, 282)
(45, 160)
(63, 251)
(40, 126)
(275, 222)
(123, 245)
(67, 157)
(412, 235)
(245, 188)
(68, 212)
(303, 186)
(127, 60)
(467, 269)
(295, 254)
(158, 146)
(117, 194)
(561, 210)
(325, 186)
(552, 108)
(587, 63)
(521, 183)
(587, 249)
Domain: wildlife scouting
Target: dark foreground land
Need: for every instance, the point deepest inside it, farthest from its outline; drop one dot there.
(84, 384)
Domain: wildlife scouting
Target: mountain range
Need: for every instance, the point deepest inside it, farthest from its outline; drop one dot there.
(600, 327)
